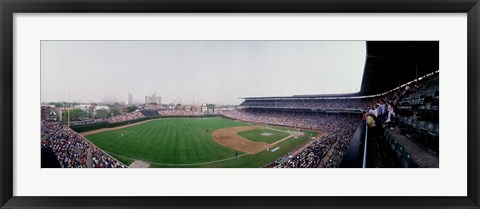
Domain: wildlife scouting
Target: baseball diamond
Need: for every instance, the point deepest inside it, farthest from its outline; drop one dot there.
(196, 142)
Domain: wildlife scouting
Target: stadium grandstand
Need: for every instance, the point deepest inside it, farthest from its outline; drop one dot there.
(62, 147)
(396, 113)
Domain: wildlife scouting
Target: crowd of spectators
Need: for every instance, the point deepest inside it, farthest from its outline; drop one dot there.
(101, 160)
(310, 156)
(179, 112)
(292, 119)
(125, 117)
(339, 130)
(320, 153)
(388, 101)
(328, 151)
(71, 149)
(149, 113)
(313, 103)
(343, 141)
(383, 110)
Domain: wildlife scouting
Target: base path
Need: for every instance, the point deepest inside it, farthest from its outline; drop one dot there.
(139, 164)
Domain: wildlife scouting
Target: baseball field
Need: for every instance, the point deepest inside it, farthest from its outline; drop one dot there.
(198, 142)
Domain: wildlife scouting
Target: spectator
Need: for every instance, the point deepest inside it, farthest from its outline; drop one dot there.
(72, 150)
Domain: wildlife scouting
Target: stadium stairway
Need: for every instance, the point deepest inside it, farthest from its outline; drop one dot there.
(407, 152)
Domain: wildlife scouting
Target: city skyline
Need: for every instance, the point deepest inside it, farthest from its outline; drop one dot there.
(218, 72)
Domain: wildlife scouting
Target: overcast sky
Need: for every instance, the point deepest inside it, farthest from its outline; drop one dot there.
(197, 71)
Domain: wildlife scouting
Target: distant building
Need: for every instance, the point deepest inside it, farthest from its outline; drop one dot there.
(153, 99)
(218, 110)
(129, 99)
(48, 113)
(84, 107)
(208, 108)
(230, 108)
(60, 110)
(123, 109)
(47, 106)
(222, 109)
(204, 108)
(100, 107)
(196, 109)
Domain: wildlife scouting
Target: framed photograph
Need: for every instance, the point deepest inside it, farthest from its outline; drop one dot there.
(266, 104)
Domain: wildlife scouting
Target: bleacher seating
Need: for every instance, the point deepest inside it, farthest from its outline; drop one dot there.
(426, 97)
(420, 115)
(149, 112)
(316, 103)
(401, 154)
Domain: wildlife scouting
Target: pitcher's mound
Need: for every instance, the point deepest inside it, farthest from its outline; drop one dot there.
(139, 164)
(266, 134)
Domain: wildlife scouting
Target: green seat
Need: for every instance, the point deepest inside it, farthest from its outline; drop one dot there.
(399, 150)
(420, 126)
(407, 158)
(393, 144)
(428, 128)
(412, 125)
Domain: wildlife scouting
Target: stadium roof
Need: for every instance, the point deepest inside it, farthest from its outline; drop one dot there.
(390, 64)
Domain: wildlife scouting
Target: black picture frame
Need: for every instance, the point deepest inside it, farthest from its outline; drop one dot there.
(9, 7)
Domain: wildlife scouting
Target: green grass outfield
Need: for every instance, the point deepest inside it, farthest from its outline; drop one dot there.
(183, 142)
(256, 135)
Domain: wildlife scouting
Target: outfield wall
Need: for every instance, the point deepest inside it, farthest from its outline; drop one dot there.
(95, 126)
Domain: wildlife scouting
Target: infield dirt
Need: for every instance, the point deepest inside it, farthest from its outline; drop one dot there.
(229, 137)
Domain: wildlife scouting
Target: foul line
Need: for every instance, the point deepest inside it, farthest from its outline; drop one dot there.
(278, 130)
(281, 140)
(189, 164)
